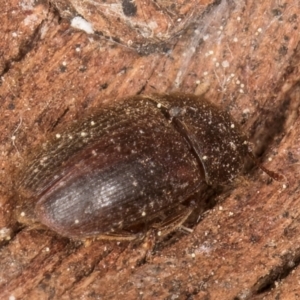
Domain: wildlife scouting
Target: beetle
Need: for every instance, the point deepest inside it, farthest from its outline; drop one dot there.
(127, 162)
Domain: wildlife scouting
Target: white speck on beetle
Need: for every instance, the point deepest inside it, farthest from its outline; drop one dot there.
(205, 73)
(93, 123)
(83, 134)
(76, 221)
(220, 208)
(270, 159)
(22, 214)
(206, 37)
(11, 297)
(284, 186)
(233, 146)
(58, 136)
(232, 125)
(238, 19)
(241, 91)
(230, 214)
(204, 157)
(158, 105)
(82, 24)
(235, 40)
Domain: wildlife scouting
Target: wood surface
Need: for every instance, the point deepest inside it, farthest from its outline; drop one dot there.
(248, 53)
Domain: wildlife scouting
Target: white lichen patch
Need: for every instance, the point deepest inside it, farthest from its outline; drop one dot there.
(82, 24)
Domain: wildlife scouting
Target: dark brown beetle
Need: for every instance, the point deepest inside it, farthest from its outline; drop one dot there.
(129, 161)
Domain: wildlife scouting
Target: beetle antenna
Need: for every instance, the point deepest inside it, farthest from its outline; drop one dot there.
(276, 176)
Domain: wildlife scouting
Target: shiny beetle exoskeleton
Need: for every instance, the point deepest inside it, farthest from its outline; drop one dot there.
(129, 161)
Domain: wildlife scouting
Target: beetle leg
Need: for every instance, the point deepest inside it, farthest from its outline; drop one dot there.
(173, 222)
(186, 229)
(119, 236)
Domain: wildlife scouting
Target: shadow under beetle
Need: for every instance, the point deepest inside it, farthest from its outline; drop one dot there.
(129, 161)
